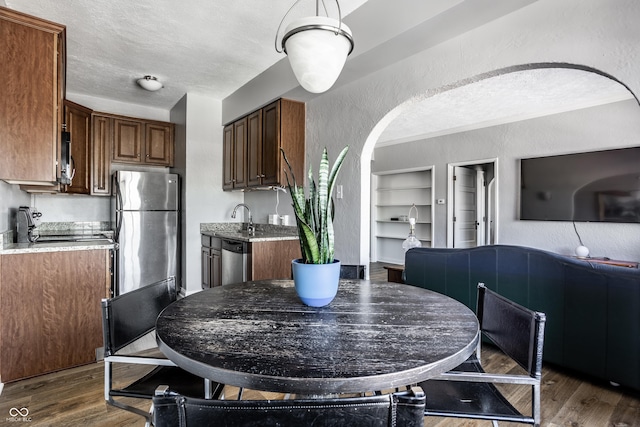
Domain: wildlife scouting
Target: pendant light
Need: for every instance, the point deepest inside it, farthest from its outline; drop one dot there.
(150, 83)
(317, 47)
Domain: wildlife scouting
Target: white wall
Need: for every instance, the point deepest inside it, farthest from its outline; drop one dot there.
(11, 198)
(585, 32)
(609, 126)
(198, 121)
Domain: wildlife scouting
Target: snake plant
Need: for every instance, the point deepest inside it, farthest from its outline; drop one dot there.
(314, 212)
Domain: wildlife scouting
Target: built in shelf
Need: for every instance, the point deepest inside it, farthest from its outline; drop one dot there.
(394, 194)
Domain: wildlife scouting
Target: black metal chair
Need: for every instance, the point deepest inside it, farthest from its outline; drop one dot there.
(468, 391)
(126, 319)
(404, 408)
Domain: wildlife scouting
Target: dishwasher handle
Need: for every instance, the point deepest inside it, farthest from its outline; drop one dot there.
(234, 246)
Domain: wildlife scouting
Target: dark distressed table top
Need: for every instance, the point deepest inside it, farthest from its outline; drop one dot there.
(373, 336)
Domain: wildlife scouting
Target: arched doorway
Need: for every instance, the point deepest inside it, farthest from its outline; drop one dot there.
(501, 98)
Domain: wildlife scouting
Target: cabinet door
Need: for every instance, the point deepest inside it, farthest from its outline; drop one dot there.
(53, 299)
(240, 153)
(78, 121)
(216, 268)
(205, 266)
(102, 137)
(127, 140)
(254, 149)
(31, 89)
(271, 145)
(227, 158)
(158, 144)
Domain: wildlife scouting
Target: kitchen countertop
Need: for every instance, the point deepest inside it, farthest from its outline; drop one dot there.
(264, 232)
(57, 237)
(23, 248)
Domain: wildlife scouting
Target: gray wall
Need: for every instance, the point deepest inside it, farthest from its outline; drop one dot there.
(199, 163)
(596, 35)
(609, 126)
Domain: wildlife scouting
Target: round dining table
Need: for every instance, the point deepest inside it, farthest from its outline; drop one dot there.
(372, 336)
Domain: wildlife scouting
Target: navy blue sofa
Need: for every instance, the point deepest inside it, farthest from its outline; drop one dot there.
(593, 310)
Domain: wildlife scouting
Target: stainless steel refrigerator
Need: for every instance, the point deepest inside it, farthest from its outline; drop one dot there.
(146, 221)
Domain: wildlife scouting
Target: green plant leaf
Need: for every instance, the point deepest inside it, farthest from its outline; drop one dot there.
(314, 212)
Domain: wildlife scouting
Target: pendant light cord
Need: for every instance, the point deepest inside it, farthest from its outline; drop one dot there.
(577, 234)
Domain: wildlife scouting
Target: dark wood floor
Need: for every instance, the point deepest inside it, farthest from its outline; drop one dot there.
(74, 397)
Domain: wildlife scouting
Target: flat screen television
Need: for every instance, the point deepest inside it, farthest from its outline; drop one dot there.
(595, 186)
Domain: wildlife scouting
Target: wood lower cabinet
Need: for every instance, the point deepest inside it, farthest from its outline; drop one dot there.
(265, 260)
(31, 93)
(272, 259)
(50, 315)
(211, 262)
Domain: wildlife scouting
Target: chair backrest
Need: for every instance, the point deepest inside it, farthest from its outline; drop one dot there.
(131, 315)
(402, 409)
(514, 329)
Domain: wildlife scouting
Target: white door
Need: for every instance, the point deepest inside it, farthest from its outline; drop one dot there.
(465, 202)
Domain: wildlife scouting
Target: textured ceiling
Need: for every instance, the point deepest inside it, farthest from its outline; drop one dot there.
(215, 47)
(211, 47)
(502, 99)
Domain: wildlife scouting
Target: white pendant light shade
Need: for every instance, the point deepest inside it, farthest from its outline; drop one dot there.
(317, 48)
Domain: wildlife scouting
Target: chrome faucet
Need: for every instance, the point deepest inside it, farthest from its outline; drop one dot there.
(250, 228)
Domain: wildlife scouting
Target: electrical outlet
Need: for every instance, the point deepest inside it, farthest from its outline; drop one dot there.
(339, 191)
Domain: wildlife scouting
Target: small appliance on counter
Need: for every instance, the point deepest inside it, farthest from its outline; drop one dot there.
(26, 224)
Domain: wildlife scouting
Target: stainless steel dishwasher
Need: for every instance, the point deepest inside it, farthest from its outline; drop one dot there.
(234, 256)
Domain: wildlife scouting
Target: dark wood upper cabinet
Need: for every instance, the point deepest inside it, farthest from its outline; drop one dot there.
(227, 158)
(78, 124)
(102, 138)
(32, 89)
(264, 132)
(254, 149)
(127, 140)
(159, 144)
(235, 155)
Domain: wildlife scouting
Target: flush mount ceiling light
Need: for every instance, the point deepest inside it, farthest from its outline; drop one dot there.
(150, 83)
(317, 47)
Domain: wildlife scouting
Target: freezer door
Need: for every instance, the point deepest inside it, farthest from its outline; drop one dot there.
(146, 191)
(147, 248)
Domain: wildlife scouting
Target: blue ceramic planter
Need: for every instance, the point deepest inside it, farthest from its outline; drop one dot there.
(316, 284)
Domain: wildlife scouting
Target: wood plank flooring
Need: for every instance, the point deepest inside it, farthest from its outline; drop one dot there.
(74, 397)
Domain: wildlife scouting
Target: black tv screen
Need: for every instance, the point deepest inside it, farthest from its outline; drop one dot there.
(593, 186)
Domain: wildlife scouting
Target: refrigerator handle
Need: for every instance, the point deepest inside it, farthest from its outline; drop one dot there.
(118, 212)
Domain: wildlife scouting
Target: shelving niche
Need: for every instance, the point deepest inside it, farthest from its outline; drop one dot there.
(394, 194)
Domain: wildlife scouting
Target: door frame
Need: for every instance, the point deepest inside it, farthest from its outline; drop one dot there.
(491, 191)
